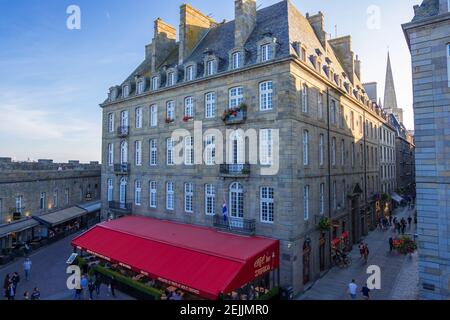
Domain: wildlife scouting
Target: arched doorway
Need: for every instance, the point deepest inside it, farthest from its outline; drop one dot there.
(307, 262)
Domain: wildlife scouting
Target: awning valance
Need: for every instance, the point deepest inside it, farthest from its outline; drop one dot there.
(91, 207)
(199, 260)
(397, 198)
(19, 226)
(60, 217)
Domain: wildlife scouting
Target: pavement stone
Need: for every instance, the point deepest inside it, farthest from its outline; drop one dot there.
(399, 274)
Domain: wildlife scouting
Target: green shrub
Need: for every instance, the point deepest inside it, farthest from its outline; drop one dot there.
(155, 293)
(270, 295)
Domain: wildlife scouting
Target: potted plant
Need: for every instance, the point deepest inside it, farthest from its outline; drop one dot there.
(324, 225)
(405, 245)
(187, 118)
(233, 112)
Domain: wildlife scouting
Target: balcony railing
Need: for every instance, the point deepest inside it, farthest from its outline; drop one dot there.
(235, 225)
(122, 207)
(235, 117)
(235, 170)
(123, 131)
(122, 168)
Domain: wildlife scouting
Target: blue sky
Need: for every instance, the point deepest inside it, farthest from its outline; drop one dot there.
(52, 79)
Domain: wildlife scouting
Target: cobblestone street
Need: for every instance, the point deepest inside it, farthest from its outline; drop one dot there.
(399, 274)
(48, 273)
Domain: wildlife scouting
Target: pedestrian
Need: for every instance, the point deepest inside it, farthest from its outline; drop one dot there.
(366, 253)
(27, 268)
(11, 292)
(361, 250)
(6, 283)
(36, 294)
(365, 292)
(352, 289)
(391, 244)
(410, 221)
(15, 280)
(398, 227)
(26, 295)
(403, 225)
(84, 285)
(390, 220)
(113, 285)
(97, 283)
(91, 288)
(78, 293)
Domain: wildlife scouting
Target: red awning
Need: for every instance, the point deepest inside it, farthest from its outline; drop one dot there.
(199, 260)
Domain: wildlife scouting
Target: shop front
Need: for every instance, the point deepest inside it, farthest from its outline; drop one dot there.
(184, 261)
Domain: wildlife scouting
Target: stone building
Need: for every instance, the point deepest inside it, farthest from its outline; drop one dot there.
(428, 37)
(36, 189)
(271, 70)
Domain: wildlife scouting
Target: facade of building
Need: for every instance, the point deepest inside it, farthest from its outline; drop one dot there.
(36, 189)
(388, 158)
(428, 37)
(273, 71)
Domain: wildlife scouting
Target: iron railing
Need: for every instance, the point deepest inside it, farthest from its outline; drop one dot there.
(235, 225)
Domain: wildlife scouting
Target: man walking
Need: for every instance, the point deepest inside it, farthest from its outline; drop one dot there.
(84, 285)
(365, 292)
(391, 244)
(366, 253)
(36, 294)
(410, 219)
(27, 268)
(352, 289)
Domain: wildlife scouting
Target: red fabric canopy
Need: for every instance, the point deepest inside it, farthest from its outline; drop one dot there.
(199, 260)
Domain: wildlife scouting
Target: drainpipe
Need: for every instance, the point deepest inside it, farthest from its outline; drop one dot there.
(365, 168)
(329, 168)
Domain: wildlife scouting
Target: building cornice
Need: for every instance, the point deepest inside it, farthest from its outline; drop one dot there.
(423, 22)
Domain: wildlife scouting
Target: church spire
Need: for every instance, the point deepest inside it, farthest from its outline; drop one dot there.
(390, 98)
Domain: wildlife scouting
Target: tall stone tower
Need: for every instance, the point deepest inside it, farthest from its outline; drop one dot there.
(390, 97)
(428, 37)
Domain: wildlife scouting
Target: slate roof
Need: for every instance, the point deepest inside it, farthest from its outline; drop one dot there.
(427, 9)
(282, 20)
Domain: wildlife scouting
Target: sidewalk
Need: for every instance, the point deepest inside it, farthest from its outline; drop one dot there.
(399, 274)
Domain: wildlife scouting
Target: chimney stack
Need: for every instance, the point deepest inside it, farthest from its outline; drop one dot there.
(193, 27)
(317, 22)
(358, 67)
(343, 48)
(163, 42)
(245, 20)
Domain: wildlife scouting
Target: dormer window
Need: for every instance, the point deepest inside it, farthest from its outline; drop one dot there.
(210, 67)
(189, 73)
(236, 60)
(303, 54)
(171, 78)
(140, 86)
(155, 83)
(125, 91)
(266, 52)
(112, 94)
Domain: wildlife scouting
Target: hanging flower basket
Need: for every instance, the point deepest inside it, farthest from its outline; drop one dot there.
(324, 224)
(234, 112)
(405, 245)
(187, 118)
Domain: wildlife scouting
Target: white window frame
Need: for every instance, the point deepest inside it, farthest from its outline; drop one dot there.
(306, 202)
(138, 153)
(266, 96)
(267, 204)
(305, 147)
(138, 192)
(210, 199)
(322, 199)
(266, 147)
(153, 146)
(19, 202)
(55, 198)
(190, 73)
(169, 153)
(210, 150)
(210, 105)
(211, 67)
(153, 115)
(110, 154)
(321, 149)
(333, 112)
(266, 52)
(170, 78)
(110, 194)
(236, 60)
(320, 105)
(125, 91)
(140, 87)
(153, 187)
(333, 151)
(124, 152)
(189, 107)
(305, 107)
(189, 151)
(111, 122)
(155, 83)
(170, 196)
(189, 197)
(138, 117)
(42, 201)
(170, 110)
(236, 97)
